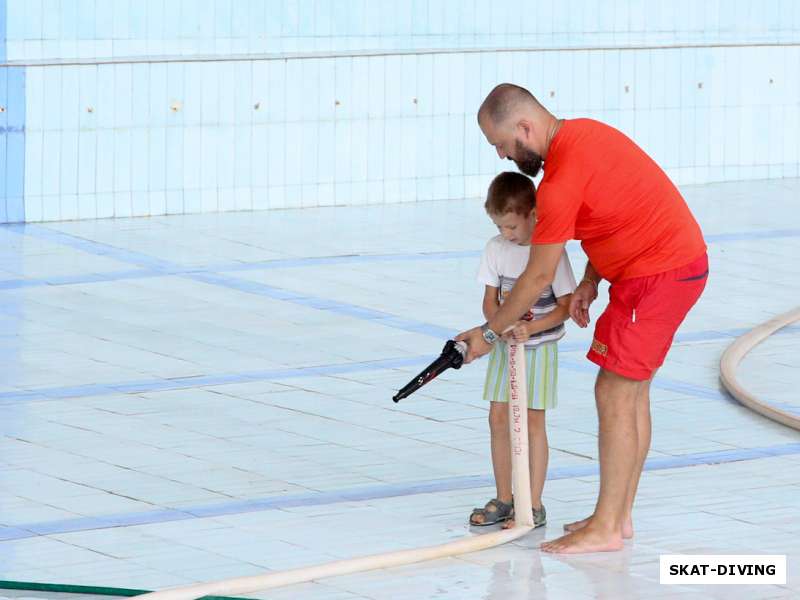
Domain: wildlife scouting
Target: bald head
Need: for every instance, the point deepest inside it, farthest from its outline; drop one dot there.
(506, 101)
(517, 126)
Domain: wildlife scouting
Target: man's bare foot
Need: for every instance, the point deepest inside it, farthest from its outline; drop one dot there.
(576, 525)
(587, 539)
(627, 526)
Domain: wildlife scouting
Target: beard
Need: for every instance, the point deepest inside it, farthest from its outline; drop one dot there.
(528, 161)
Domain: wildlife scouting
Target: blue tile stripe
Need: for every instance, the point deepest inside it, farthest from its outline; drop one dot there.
(362, 494)
(122, 255)
(326, 261)
(160, 385)
(324, 304)
(109, 276)
(660, 382)
(752, 235)
(152, 267)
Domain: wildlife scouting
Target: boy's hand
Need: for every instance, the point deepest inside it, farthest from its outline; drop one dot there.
(476, 345)
(582, 298)
(519, 334)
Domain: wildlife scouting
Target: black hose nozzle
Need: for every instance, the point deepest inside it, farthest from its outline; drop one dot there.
(452, 356)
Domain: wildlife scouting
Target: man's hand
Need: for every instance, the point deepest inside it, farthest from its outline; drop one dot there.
(582, 298)
(476, 345)
(519, 333)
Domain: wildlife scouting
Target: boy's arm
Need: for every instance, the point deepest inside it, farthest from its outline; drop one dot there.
(490, 302)
(552, 319)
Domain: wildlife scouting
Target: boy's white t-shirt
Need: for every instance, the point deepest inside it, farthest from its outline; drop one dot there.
(502, 262)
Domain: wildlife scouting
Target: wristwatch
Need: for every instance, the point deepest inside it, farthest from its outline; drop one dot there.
(488, 335)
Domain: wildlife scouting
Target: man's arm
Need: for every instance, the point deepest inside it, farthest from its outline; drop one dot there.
(584, 295)
(591, 275)
(538, 274)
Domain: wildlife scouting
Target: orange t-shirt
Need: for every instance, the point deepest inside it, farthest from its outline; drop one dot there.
(601, 188)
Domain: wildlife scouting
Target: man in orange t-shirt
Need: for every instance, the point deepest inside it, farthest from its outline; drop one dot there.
(638, 233)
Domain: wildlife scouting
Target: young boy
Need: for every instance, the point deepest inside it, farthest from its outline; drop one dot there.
(511, 204)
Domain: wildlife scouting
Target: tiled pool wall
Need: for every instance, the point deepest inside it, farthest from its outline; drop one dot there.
(135, 108)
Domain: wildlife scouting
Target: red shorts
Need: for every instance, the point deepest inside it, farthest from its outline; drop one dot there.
(634, 333)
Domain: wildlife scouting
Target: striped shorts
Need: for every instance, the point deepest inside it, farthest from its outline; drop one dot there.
(541, 368)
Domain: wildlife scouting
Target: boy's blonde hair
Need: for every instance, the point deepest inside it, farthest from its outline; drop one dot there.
(511, 192)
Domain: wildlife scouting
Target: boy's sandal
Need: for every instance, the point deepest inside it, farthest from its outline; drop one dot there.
(539, 516)
(494, 512)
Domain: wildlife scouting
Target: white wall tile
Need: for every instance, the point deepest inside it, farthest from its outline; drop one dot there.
(296, 108)
(703, 143)
(123, 204)
(158, 202)
(359, 96)
(193, 201)
(209, 199)
(34, 163)
(87, 206)
(243, 198)
(51, 160)
(140, 204)
(157, 157)
(174, 162)
(51, 208)
(50, 16)
(104, 159)
(193, 92)
(140, 164)
(276, 134)
(360, 148)
(242, 151)
(276, 87)
(87, 163)
(123, 95)
(174, 204)
(298, 139)
(122, 160)
(716, 136)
